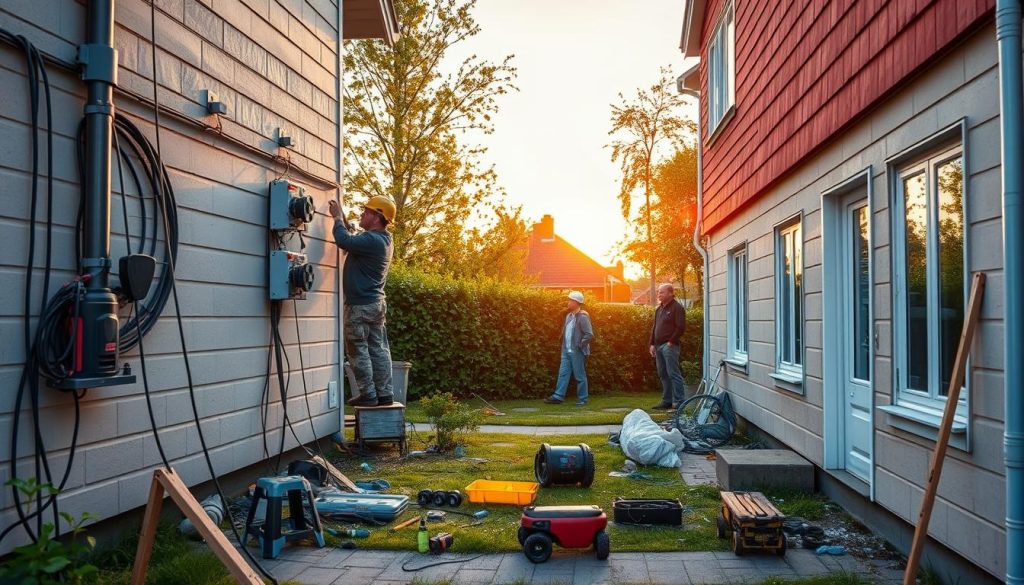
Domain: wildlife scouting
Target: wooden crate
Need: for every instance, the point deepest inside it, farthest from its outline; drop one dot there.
(381, 424)
(755, 523)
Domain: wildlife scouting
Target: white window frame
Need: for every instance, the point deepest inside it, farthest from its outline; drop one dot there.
(785, 333)
(737, 306)
(928, 403)
(721, 55)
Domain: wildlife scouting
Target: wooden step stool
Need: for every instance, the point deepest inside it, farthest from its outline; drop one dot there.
(754, 522)
(382, 424)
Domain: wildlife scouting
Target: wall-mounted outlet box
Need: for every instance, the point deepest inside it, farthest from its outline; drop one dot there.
(332, 394)
(213, 104)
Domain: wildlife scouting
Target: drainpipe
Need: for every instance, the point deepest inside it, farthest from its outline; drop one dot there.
(98, 321)
(1008, 37)
(339, 136)
(700, 223)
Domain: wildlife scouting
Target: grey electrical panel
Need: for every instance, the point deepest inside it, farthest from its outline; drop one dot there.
(290, 275)
(290, 208)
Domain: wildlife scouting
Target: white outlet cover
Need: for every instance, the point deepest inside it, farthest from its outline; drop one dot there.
(332, 394)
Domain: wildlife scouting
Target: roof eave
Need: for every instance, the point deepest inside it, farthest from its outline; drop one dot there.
(693, 18)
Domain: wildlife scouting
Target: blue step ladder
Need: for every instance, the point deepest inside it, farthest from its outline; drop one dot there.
(271, 534)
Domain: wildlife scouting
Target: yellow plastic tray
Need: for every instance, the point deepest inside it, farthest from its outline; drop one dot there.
(516, 493)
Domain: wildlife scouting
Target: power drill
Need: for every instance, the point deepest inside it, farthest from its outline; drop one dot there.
(440, 543)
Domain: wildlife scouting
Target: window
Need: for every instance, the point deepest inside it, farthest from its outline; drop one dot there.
(737, 306)
(789, 301)
(929, 279)
(721, 69)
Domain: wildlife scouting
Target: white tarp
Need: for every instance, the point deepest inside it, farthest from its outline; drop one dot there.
(647, 443)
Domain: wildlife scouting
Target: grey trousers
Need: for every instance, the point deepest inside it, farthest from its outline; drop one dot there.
(366, 345)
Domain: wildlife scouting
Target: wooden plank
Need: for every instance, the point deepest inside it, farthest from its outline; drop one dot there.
(942, 441)
(215, 539)
(337, 475)
(148, 535)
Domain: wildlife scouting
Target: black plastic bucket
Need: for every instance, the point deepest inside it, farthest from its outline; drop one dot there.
(564, 465)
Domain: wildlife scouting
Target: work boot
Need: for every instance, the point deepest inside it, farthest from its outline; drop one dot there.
(552, 400)
(385, 400)
(662, 406)
(362, 400)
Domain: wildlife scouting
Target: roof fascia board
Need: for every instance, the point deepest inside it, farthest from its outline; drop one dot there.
(693, 18)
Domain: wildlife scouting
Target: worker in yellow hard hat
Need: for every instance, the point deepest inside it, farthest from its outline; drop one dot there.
(368, 257)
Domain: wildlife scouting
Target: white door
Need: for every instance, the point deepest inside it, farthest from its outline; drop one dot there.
(855, 331)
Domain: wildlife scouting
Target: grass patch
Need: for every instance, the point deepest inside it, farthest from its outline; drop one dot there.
(565, 414)
(510, 458)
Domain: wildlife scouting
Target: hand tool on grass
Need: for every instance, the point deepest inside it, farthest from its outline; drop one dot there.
(408, 522)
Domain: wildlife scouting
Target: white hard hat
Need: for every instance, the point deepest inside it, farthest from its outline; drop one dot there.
(576, 296)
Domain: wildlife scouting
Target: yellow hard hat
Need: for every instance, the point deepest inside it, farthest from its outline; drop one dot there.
(383, 206)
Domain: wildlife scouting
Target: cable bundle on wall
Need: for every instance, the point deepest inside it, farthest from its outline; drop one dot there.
(135, 150)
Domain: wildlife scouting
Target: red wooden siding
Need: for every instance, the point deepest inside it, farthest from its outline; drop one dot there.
(805, 69)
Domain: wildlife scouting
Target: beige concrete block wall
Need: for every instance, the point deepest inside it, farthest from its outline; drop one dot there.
(274, 64)
(970, 507)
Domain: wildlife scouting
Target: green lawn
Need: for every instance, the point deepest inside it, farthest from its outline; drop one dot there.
(510, 457)
(602, 409)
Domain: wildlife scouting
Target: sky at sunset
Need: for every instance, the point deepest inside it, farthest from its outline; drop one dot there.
(574, 58)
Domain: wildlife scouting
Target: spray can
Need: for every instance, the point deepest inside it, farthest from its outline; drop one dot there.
(423, 537)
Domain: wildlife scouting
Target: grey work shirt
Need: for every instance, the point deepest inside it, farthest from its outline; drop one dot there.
(366, 267)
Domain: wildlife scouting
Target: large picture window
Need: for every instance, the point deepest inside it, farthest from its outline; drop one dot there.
(929, 278)
(737, 306)
(789, 300)
(721, 69)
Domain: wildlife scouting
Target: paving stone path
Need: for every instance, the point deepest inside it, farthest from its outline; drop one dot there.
(327, 566)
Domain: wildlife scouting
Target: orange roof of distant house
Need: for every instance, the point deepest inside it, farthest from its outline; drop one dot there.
(559, 264)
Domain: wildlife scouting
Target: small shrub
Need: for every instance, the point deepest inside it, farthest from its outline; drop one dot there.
(451, 419)
(48, 560)
(691, 372)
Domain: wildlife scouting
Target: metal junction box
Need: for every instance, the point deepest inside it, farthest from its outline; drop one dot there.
(290, 208)
(290, 275)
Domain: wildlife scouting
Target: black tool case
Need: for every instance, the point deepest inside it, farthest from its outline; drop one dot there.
(648, 511)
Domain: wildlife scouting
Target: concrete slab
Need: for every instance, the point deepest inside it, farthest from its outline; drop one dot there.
(757, 469)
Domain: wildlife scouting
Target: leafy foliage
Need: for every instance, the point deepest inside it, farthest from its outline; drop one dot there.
(48, 560)
(642, 129)
(673, 218)
(408, 115)
(451, 419)
(502, 340)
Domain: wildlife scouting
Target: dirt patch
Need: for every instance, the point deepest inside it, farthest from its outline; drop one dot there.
(502, 445)
(525, 409)
(837, 528)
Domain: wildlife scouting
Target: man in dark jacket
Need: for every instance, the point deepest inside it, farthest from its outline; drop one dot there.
(368, 257)
(669, 326)
(577, 331)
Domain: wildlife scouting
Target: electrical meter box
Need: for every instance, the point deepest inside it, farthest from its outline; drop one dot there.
(290, 208)
(290, 275)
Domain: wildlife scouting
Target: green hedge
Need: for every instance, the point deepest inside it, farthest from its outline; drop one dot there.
(502, 341)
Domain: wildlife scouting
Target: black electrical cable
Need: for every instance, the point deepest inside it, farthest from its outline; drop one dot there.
(128, 251)
(177, 305)
(305, 390)
(36, 75)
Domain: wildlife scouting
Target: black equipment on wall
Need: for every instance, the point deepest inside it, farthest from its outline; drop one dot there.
(96, 325)
(563, 465)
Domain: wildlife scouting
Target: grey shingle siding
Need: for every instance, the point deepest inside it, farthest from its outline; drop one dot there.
(273, 63)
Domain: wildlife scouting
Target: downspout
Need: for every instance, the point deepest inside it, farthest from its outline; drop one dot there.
(339, 135)
(1008, 37)
(699, 226)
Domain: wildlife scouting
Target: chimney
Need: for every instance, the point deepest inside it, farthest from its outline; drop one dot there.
(545, 229)
(617, 271)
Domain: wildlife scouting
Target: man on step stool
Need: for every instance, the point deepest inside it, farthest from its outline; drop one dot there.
(367, 259)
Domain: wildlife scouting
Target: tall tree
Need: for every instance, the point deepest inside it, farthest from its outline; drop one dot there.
(408, 115)
(641, 128)
(673, 216)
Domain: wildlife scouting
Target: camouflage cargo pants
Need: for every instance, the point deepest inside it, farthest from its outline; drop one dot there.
(366, 345)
